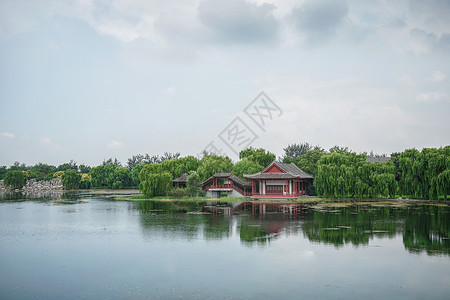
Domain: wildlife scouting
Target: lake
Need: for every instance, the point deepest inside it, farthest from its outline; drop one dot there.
(79, 246)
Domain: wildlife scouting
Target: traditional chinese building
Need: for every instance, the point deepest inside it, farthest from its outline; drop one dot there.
(180, 181)
(226, 182)
(279, 180)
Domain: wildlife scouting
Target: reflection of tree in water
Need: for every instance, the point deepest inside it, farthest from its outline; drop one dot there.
(217, 228)
(41, 196)
(426, 229)
(170, 218)
(354, 224)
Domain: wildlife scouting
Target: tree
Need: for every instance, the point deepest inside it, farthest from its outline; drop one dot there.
(194, 184)
(259, 156)
(17, 166)
(246, 166)
(71, 165)
(297, 150)
(84, 168)
(122, 178)
(3, 171)
(15, 179)
(111, 161)
(71, 179)
(340, 150)
(85, 182)
(154, 181)
(212, 164)
(178, 166)
(135, 174)
(308, 161)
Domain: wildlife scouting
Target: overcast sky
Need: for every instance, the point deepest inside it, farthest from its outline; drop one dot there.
(88, 80)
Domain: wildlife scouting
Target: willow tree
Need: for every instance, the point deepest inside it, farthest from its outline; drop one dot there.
(423, 172)
(212, 164)
(350, 175)
(154, 181)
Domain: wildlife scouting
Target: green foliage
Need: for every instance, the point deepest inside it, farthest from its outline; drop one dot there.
(194, 184)
(350, 175)
(423, 173)
(3, 171)
(58, 174)
(111, 161)
(259, 156)
(84, 168)
(154, 181)
(135, 174)
(308, 161)
(212, 164)
(246, 166)
(110, 176)
(340, 150)
(178, 192)
(18, 167)
(297, 150)
(122, 178)
(71, 179)
(147, 159)
(85, 182)
(15, 179)
(71, 165)
(178, 166)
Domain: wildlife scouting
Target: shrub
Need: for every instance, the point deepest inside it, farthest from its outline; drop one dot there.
(15, 179)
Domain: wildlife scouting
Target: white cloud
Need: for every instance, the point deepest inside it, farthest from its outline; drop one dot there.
(46, 140)
(432, 97)
(115, 144)
(171, 90)
(8, 135)
(438, 76)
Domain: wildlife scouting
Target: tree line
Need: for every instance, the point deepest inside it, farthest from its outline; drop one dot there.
(338, 172)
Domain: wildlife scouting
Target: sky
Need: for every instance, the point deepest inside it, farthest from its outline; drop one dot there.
(88, 80)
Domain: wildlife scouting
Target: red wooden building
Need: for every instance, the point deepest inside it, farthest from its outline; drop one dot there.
(227, 182)
(279, 180)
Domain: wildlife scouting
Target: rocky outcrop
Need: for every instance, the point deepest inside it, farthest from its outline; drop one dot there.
(33, 185)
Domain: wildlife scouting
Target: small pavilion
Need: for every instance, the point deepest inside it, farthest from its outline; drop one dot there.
(279, 180)
(180, 181)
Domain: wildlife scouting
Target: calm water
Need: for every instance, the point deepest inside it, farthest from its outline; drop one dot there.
(97, 248)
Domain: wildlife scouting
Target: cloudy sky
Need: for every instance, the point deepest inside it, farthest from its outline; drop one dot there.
(88, 80)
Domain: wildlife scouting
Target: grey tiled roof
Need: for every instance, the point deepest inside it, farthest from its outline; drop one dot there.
(182, 178)
(292, 171)
(232, 177)
(240, 181)
(377, 159)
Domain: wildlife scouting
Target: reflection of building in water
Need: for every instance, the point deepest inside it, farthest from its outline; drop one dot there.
(256, 208)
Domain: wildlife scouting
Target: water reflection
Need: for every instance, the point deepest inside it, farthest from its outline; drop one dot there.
(424, 228)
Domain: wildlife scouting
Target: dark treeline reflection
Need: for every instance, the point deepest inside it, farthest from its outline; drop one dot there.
(425, 228)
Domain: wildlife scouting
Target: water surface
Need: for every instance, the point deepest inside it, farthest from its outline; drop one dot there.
(98, 248)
